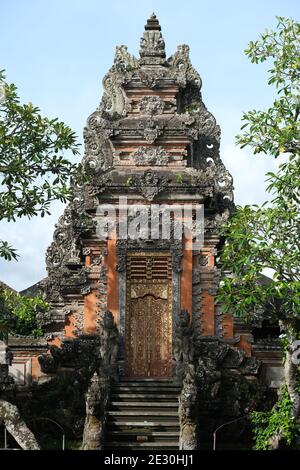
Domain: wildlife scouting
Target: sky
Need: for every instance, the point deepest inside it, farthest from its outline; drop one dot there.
(57, 52)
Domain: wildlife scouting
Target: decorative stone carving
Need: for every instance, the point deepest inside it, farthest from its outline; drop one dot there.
(86, 251)
(183, 342)
(150, 184)
(203, 260)
(183, 70)
(188, 412)
(76, 311)
(109, 342)
(197, 303)
(121, 255)
(124, 61)
(219, 366)
(78, 353)
(96, 403)
(151, 130)
(152, 45)
(151, 105)
(151, 78)
(97, 395)
(114, 99)
(63, 258)
(219, 317)
(177, 253)
(145, 156)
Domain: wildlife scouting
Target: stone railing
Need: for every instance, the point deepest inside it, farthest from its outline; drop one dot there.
(185, 372)
(97, 396)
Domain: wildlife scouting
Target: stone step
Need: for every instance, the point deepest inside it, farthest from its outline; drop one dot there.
(148, 384)
(147, 379)
(132, 447)
(139, 404)
(173, 383)
(143, 407)
(138, 437)
(143, 432)
(152, 390)
(143, 413)
(125, 434)
(136, 423)
(139, 445)
(145, 396)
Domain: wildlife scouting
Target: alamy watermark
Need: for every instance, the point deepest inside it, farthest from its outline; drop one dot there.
(152, 222)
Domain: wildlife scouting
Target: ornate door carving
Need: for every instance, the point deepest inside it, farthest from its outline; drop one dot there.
(148, 324)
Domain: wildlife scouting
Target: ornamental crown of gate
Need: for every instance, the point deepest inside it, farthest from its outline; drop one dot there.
(152, 45)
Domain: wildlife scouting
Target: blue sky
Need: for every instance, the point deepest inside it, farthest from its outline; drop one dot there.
(57, 51)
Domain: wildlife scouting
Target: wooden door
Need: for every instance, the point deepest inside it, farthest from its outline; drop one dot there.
(148, 324)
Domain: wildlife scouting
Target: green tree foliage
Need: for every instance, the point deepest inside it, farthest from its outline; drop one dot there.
(23, 312)
(276, 130)
(268, 424)
(268, 236)
(33, 169)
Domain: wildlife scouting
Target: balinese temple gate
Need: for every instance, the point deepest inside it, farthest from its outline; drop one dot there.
(150, 299)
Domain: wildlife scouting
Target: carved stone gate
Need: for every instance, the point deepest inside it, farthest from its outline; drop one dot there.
(148, 316)
(153, 141)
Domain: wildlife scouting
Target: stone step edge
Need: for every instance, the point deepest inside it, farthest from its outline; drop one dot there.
(146, 404)
(142, 444)
(146, 395)
(151, 423)
(130, 432)
(142, 413)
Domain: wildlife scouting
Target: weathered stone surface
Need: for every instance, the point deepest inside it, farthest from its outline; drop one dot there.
(188, 411)
(183, 343)
(6, 382)
(10, 417)
(96, 403)
(229, 383)
(94, 358)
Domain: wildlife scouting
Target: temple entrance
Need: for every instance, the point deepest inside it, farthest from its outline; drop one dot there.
(148, 321)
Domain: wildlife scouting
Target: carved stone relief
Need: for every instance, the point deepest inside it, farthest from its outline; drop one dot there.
(151, 105)
(146, 156)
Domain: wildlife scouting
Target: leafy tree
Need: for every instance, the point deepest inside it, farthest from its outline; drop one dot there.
(266, 424)
(33, 169)
(268, 236)
(33, 173)
(276, 130)
(23, 313)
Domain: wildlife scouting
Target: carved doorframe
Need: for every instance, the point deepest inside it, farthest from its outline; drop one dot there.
(123, 247)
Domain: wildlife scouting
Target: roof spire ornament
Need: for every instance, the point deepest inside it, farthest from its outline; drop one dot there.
(152, 45)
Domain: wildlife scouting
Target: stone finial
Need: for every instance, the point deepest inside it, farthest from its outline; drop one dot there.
(152, 23)
(152, 46)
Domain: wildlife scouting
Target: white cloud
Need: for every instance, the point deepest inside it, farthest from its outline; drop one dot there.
(31, 238)
(249, 174)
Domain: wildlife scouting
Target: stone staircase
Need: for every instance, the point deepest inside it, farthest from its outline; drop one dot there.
(143, 414)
